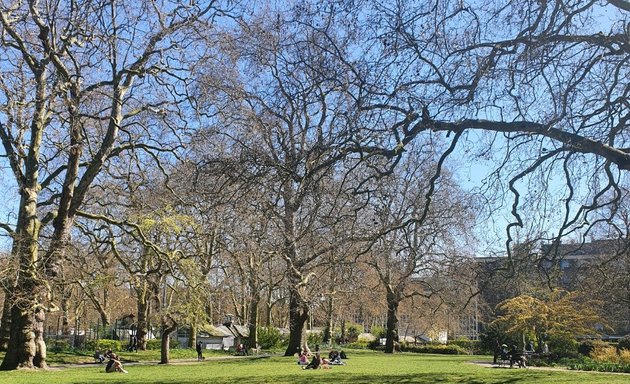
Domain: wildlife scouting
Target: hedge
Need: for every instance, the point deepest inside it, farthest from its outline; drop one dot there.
(449, 349)
(591, 365)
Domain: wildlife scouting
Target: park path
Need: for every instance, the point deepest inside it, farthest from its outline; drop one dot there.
(489, 364)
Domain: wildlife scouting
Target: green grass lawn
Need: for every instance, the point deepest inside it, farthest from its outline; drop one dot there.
(363, 367)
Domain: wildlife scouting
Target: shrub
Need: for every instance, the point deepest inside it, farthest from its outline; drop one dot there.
(624, 343)
(448, 349)
(314, 338)
(591, 365)
(105, 344)
(360, 344)
(156, 344)
(378, 331)
(58, 345)
(586, 347)
(563, 344)
(352, 332)
(551, 360)
(365, 338)
(375, 344)
(604, 354)
(493, 333)
(269, 337)
(472, 346)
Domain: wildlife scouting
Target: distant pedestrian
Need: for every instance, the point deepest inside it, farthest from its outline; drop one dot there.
(133, 344)
(199, 351)
(497, 351)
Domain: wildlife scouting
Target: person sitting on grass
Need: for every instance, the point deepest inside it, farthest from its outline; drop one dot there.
(315, 363)
(303, 359)
(334, 358)
(114, 365)
(241, 350)
(99, 356)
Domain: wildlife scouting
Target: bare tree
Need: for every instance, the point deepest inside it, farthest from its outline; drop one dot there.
(288, 119)
(75, 83)
(420, 218)
(548, 91)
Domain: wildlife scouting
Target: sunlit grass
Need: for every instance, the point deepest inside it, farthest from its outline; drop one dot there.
(363, 367)
(85, 357)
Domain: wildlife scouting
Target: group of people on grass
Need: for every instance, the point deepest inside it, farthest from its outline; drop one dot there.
(319, 362)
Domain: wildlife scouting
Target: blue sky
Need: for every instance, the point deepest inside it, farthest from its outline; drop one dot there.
(470, 171)
(8, 203)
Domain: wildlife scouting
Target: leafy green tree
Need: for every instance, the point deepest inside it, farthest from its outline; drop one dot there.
(557, 313)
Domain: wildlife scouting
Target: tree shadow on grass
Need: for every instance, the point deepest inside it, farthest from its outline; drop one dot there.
(307, 378)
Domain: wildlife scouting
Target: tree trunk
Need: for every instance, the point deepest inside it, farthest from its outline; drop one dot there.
(21, 351)
(99, 305)
(143, 312)
(268, 318)
(165, 345)
(5, 322)
(65, 316)
(253, 322)
(253, 303)
(39, 360)
(103, 315)
(269, 298)
(392, 322)
(329, 320)
(26, 347)
(298, 309)
(298, 315)
(192, 342)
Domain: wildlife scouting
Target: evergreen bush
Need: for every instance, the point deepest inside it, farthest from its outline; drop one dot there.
(269, 337)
